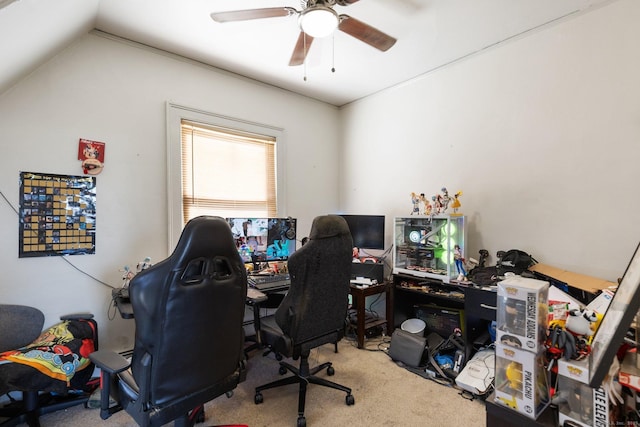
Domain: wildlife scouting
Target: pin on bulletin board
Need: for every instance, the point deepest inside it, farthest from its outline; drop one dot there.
(92, 155)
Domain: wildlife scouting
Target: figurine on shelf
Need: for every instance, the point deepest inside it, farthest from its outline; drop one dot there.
(427, 208)
(459, 260)
(455, 204)
(415, 201)
(130, 274)
(445, 199)
(437, 204)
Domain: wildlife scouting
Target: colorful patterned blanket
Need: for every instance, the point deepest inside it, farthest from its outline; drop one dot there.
(58, 353)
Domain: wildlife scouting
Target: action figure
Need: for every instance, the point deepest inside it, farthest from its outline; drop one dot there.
(427, 208)
(459, 260)
(456, 201)
(437, 204)
(415, 200)
(445, 199)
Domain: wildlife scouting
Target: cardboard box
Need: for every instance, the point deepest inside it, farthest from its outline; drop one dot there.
(600, 303)
(582, 287)
(522, 313)
(577, 402)
(521, 380)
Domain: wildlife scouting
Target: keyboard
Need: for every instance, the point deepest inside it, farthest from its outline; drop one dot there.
(268, 281)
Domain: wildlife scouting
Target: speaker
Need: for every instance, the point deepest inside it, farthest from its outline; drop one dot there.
(407, 348)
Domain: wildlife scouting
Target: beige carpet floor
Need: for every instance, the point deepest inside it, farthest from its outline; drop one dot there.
(385, 395)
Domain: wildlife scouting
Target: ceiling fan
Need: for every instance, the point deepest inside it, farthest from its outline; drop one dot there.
(316, 19)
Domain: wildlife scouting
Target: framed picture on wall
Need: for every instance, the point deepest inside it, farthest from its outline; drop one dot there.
(57, 215)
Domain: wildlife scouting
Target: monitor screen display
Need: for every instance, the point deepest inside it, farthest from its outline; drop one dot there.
(264, 239)
(367, 231)
(281, 238)
(250, 235)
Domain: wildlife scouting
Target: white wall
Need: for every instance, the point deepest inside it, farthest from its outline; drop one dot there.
(116, 92)
(540, 133)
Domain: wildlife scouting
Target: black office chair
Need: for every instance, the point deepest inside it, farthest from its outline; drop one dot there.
(314, 310)
(189, 339)
(50, 369)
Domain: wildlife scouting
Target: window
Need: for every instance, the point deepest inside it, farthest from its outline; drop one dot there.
(227, 172)
(221, 166)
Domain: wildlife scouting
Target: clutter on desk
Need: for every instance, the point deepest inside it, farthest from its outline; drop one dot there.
(434, 288)
(131, 273)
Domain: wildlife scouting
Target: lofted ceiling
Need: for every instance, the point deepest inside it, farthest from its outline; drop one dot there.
(430, 34)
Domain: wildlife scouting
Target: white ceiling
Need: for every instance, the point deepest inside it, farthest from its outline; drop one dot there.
(430, 33)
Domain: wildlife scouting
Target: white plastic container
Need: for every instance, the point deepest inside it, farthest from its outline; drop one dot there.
(415, 326)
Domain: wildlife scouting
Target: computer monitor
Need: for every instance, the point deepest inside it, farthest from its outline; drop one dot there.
(250, 235)
(281, 238)
(264, 239)
(367, 231)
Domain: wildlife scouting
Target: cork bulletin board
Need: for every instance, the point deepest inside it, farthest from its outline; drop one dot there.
(57, 215)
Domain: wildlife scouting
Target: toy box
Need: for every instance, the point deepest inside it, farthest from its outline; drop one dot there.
(579, 404)
(522, 316)
(521, 380)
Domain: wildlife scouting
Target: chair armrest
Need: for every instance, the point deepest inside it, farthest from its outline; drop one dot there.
(109, 361)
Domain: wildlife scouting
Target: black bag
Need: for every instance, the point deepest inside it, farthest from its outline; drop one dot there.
(514, 261)
(484, 276)
(407, 348)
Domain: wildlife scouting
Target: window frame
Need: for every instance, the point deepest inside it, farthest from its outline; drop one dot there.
(175, 114)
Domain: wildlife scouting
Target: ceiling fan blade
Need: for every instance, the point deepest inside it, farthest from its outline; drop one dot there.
(245, 15)
(346, 2)
(302, 48)
(366, 33)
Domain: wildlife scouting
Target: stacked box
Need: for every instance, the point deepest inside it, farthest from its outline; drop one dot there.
(577, 402)
(521, 330)
(521, 380)
(522, 316)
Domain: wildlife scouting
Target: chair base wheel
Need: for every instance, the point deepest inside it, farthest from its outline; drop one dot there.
(258, 399)
(302, 421)
(350, 400)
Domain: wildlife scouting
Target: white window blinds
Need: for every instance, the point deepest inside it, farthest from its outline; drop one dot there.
(227, 172)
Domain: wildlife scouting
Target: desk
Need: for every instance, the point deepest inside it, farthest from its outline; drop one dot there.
(123, 305)
(254, 298)
(360, 295)
(478, 305)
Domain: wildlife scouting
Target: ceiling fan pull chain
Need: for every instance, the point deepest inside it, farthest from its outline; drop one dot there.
(304, 61)
(333, 53)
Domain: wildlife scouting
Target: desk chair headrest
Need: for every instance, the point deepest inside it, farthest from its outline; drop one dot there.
(326, 226)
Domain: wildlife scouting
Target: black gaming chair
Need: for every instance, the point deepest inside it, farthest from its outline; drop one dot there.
(314, 310)
(189, 339)
(50, 369)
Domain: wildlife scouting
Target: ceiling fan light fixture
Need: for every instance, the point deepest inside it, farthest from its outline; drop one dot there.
(318, 21)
